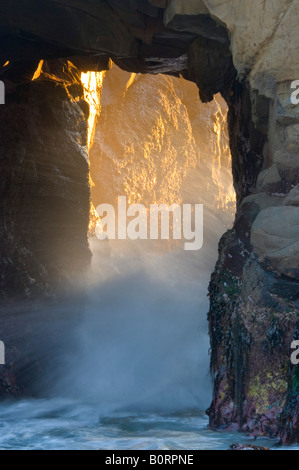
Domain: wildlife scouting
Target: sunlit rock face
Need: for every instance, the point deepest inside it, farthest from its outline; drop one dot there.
(143, 144)
(45, 187)
(154, 137)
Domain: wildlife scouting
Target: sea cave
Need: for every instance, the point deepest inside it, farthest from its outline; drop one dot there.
(161, 102)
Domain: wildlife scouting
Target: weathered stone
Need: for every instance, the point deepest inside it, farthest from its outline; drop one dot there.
(210, 67)
(268, 178)
(193, 16)
(263, 35)
(292, 139)
(94, 63)
(275, 239)
(247, 141)
(286, 160)
(289, 419)
(262, 201)
(245, 447)
(292, 198)
(190, 8)
(80, 27)
(286, 111)
(281, 46)
(257, 284)
(159, 3)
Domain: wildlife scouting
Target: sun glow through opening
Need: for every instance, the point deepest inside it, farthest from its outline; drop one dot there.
(93, 83)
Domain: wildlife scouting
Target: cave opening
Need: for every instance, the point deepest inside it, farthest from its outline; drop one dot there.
(152, 141)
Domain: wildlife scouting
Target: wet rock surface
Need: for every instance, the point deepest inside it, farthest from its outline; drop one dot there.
(254, 309)
(247, 447)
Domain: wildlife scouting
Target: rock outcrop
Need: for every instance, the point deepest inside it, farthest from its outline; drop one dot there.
(248, 51)
(45, 182)
(160, 156)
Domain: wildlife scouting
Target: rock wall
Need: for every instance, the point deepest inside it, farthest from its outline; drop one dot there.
(44, 187)
(254, 290)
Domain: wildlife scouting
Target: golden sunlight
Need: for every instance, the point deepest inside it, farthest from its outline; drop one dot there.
(38, 70)
(93, 84)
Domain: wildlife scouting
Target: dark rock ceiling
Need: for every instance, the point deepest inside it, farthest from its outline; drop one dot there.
(136, 34)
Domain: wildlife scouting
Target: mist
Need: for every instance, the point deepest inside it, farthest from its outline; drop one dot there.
(133, 336)
(141, 343)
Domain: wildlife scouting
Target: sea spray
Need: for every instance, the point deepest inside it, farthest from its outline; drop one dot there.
(142, 345)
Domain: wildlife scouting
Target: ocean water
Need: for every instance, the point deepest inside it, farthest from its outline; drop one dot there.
(134, 373)
(65, 424)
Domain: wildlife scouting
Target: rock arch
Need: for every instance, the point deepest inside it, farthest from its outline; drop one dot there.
(245, 50)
